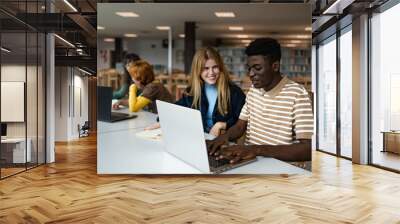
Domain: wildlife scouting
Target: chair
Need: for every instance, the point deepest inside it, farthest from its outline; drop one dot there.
(84, 130)
(179, 90)
(180, 82)
(165, 80)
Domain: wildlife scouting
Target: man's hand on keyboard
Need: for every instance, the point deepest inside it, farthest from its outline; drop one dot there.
(214, 146)
(236, 153)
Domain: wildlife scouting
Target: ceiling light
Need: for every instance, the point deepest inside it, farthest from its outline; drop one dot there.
(225, 14)
(84, 71)
(182, 35)
(163, 27)
(303, 36)
(130, 35)
(290, 45)
(242, 36)
(127, 14)
(70, 5)
(5, 49)
(295, 41)
(65, 41)
(246, 41)
(100, 27)
(109, 40)
(79, 50)
(337, 7)
(331, 7)
(236, 28)
(308, 28)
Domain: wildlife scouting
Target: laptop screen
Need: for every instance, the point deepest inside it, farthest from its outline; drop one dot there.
(3, 129)
(104, 99)
(183, 134)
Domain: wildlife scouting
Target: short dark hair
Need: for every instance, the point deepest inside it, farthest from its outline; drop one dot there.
(132, 57)
(265, 46)
(128, 59)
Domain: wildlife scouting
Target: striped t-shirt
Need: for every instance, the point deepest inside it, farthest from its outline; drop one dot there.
(278, 117)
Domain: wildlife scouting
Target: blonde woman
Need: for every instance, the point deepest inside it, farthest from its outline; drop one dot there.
(211, 91)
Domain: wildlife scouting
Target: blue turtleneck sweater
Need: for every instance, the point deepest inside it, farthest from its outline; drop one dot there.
(211, 94)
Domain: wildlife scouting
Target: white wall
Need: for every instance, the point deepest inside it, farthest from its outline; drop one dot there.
(149, 50)
(13, 72)
(33, 127)
(104, 54)
(153, 52)
(62, 81)
(71, 96)
(81, 104)
(17, 72)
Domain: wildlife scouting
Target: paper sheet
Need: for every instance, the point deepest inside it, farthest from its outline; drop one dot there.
(154, 135)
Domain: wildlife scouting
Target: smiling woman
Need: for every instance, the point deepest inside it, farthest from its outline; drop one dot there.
(211, 91)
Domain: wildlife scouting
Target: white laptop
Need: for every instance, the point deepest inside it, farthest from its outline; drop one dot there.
(184, 138)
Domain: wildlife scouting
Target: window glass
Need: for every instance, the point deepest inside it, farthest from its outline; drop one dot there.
(327, 95)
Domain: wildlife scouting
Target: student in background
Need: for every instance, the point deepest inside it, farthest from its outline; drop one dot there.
(126, 79)
(142, 74)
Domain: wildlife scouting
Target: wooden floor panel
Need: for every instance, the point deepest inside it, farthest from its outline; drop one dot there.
(70, 191)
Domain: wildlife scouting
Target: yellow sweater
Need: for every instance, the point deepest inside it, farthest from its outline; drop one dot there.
(136, 103)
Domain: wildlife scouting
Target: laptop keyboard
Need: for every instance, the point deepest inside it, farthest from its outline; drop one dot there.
(116, 114)
(217, 163)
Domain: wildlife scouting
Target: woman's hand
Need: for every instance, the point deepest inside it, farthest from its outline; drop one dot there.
(217, 128)
(122, 102)
(115, 106)
(153, 126)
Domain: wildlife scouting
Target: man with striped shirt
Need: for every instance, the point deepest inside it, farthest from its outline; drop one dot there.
(277, 116)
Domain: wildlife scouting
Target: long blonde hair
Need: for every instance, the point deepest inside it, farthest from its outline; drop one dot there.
(196, 83)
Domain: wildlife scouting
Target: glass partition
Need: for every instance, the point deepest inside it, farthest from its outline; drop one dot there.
(31, 98)
(13, 104)
(22, 89)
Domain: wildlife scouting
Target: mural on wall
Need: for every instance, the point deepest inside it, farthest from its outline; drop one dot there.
(104, 56)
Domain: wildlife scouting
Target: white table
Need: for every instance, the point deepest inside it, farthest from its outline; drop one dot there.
(18, 150)
(142, 120)
(119, 151)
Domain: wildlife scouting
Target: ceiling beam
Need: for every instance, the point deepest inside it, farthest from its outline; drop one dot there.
(84, 24)
(81, 61)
